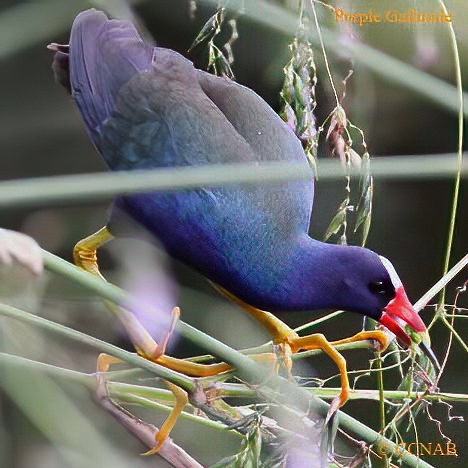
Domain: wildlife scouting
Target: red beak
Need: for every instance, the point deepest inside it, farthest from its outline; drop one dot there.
(399, 310)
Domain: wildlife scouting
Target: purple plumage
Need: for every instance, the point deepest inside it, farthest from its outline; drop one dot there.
(106, 55)
(148, 107)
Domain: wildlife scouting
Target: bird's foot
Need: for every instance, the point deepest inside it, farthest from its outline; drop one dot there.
(289, 343)
(85, 256)
(103, 364)
(318, 341)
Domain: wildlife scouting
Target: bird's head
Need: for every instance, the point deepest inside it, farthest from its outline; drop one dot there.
(373, 288)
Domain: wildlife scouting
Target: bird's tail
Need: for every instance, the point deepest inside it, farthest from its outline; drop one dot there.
(103, 56)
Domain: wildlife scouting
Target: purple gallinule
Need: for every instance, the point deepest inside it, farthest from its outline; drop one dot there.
(147, 107)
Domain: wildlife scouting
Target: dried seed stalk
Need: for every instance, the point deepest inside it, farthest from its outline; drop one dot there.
(298, 94)
(219, 62)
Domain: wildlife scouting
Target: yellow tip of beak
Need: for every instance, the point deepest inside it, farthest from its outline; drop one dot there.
(423, 340)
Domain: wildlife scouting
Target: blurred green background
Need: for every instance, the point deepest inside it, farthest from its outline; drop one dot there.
(41, 134)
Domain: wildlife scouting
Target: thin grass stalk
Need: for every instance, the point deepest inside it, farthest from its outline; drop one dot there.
(47, 191)
(178, 379)
(456, 191)
(348, 423)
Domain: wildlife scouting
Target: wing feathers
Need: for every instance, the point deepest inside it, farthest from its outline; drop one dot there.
(104, 55)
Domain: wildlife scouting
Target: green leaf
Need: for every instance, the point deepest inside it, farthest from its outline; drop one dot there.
(338, 220)
(364, 209)
(335, 224)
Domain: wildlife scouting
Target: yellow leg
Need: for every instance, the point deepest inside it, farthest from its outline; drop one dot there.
(85, 251)
(181, 399)
(273, 324)
(85, 256)
(196, 369)
(282, 335)
(291, 343)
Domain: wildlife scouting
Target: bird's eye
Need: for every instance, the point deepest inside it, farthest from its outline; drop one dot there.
(378, 287)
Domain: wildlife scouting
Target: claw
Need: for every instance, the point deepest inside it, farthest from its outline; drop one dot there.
(162, 345)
